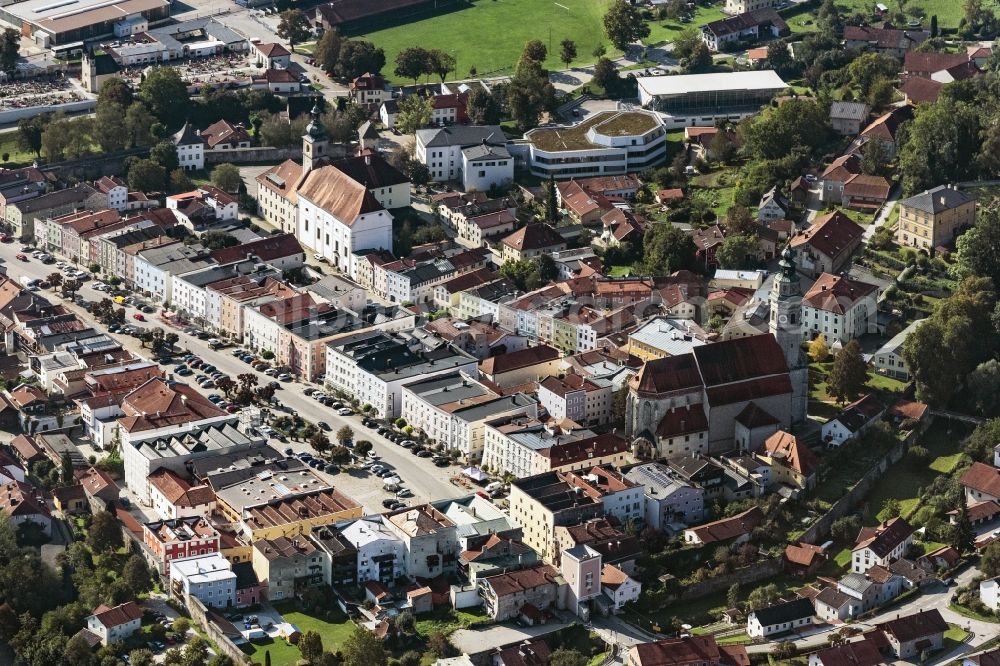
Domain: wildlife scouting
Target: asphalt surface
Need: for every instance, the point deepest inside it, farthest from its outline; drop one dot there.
(420, 475)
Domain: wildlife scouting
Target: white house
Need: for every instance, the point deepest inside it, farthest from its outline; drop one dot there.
(669, 498)
(888, 360)
(208, 578)
(116, 190)
(474, 155)
(585, 401)
(114, 625)
(989, 593)
(381, 554)
(881, 545)
(840, 309)
(780, 619)
(338, 216)
(619, 587)
(852, 421)
(190, 148)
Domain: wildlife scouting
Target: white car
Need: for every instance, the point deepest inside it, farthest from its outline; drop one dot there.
(345, 411)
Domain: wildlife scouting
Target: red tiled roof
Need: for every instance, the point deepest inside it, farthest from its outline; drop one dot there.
(916, 626)
(930, 62)
(682, 421)
(537, 236)
(266, 249)
(729, 528)
(272, 50)
(982, 477)
(918, 89)
(796, 455)
(521, 580)
(523, 358)
(802, 554)
(836, 294)
(119, 615)
(157, 404)
(830, 234)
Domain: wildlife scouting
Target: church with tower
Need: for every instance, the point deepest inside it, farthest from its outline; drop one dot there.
(725, 396)
(336, 204)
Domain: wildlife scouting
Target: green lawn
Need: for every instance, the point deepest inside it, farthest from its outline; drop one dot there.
(665, 31)
(506, 25)
(446, 620)
(282, 654)
(619, 271)
(907, 477)
(954, 637)
(17, 157)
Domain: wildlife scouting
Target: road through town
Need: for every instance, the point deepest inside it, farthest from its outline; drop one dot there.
(427, 481)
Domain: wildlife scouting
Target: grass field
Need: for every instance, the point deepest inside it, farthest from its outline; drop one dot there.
(8, 146)
(905, 478)
(666, 31)
(283, 654)
(490, 34)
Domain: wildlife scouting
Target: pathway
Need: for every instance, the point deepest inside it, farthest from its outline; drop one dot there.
(883, 215)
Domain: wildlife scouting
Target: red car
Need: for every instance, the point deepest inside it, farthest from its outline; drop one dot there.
(22, 257)
(6, 238)
(138, 317)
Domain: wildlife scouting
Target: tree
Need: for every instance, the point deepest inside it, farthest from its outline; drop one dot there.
(567, 657)
(989, 562)
(115, 90)
(362, 648)
(605, 74)
(846, 529)
(567, 51)
(412, 63)
(623, 24)
(311, 646)
(685, 43)
(535, 50)
(776, 133)
(890, 509)
(785, 650)
(146, 176)
(345, 434)
(665, 249)
(439, 645)
(964, 535)
(104, 535)
(136, 575)
(938, 144)
(818, 349)
(29, 133)
(934, 26)
(984, 387)
(141, 657)
(414, 113)
(405, 623)
(551, 202)
(357, 57)
(517, 272)
(180, 181)
(440, 63)
(166, 95)
(778, 57)
(420, 174)
(978, 249)
(181, 625)
(868, 68)
(875, 158)
(739, 220)
(227, 177)
(737, 252)
(216, 240)
(138, 126)
(195, 652)
(700, 60)
(363, 447)
(294, 27)
(165, 154)
(733, 596)
(482, 107)
(327, 51)
(110, 130)
(762, 597)
(10, 44)
(849, 373)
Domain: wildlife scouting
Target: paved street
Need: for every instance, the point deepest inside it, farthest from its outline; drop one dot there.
(883, 215)
(937, 596)
(420, 475)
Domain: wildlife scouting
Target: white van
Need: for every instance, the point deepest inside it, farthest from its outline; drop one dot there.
(496, 485)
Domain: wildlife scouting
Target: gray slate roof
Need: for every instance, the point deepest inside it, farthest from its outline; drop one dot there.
(849, 110)
(939, 199)
(462, 135)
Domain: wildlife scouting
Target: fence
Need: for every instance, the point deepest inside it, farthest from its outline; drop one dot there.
(200, 615)
(261, 154)
(11, 116)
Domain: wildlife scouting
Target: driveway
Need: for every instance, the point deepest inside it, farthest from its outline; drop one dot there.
(469, 641)
(883, 215)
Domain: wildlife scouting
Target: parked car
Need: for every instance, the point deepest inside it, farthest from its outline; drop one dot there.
(138, 316)
(285, 377)
(323, 425)
(21, 256)
(424, 454)
(388, 503)
(331, 469)
(404, 492)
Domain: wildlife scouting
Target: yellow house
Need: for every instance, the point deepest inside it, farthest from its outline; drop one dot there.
(664, 337)
(934, 217)
(792, 462)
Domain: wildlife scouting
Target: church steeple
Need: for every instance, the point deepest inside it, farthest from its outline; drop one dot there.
(314, 142)
(785, 322)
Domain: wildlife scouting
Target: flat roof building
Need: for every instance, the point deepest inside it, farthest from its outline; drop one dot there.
(699, 99)
(53, 23)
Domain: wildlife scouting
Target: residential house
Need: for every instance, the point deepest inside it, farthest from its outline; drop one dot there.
(23, 504)
(852, 421)
(750, 26)
(270, 55)
(168, 540)
(827, 244)
(888, 359)
(290, 565)
(669, 498)
(190, 148)
(915, 635)
(886, 40)
(834, 178)
(846, 117)
(779, 619)
(864, 652)
(224, 135)
(884, 129)
(506, 595)
(581, 567)
(881, 545)
(584, 401)
(172, 497)
(114, 625)
(802, 559)
(981, 483)
(530, 242)
(773, 206)
(688, 650)
(792, 462)
(381, 554)
(734, 529)
(369, 89)
(989, 593)
(934, 217)
(865, 193)
(619, 587)
(208, 578)
(520, 367)
(429, 540)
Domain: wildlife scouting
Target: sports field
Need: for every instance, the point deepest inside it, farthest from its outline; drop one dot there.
(490, 34)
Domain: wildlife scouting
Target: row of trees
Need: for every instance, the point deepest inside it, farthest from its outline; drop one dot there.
(347, 58)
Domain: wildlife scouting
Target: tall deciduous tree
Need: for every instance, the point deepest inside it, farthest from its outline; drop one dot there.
(358, 57)
(294, 27)
(413, 62)
(481, 107)
(737, 252)
(166, 95)
(567, 51)
(623, 24)
(414, 113)
(327, 51)
(666, 249)
(362, 648)
(105, 535)
(10, 45)
(441, 63)
(849, 373)
(227, 177)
